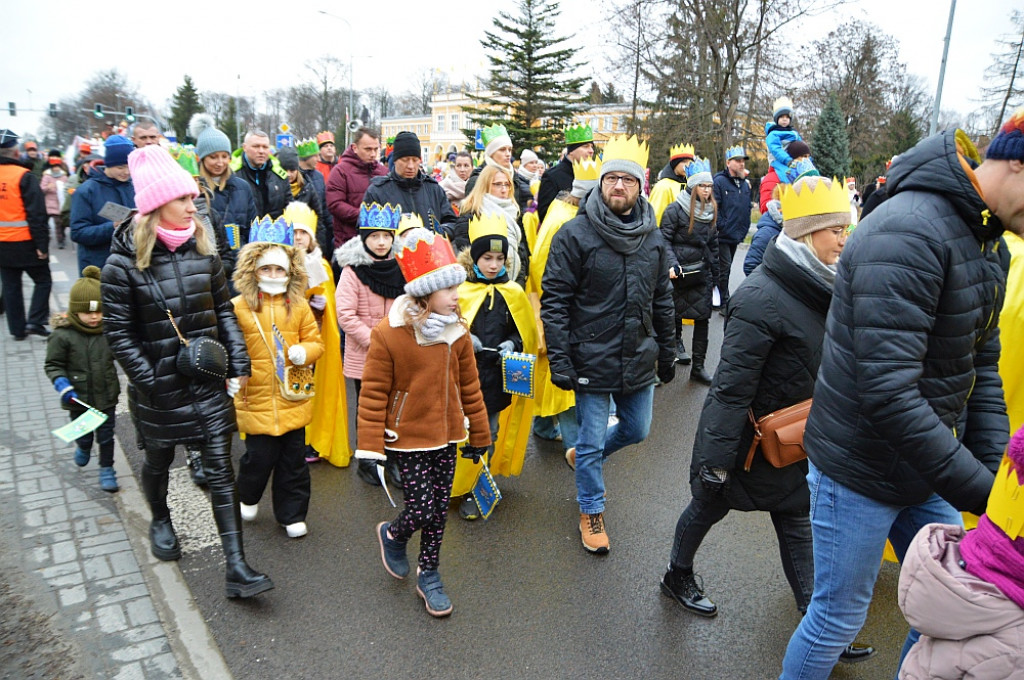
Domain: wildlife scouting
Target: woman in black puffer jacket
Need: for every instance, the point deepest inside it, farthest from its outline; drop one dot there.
(689, 227)
(163, 260)
(770, 357)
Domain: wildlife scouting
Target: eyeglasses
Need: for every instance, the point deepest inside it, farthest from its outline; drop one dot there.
(840, 232)
(628, 181)
(501, 185)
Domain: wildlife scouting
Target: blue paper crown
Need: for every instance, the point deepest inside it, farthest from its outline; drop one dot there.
(377, 217)
(735, 152)
(266, 230)
(804, 168)
(698, 165)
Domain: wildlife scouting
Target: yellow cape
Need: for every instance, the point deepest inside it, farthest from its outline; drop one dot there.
(530, 226)
(328, 431)
(662, 194)
(510, 449)
(548, 400)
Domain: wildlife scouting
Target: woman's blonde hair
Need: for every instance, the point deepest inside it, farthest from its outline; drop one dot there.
(215, 182)
(145, 239)
(473, 203)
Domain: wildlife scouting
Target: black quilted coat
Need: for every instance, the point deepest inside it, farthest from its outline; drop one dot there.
(170, 408)
(908, 401)
(770, 358)
(693, 301)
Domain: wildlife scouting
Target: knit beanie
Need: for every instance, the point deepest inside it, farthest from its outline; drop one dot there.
(158, 179)
(797, 228)
(490, 243)
(202, 128)
(288, 158)
(85, 292)
(428, 262)
(798, 148)
(528, 156)
(1008, 144)
(116, 150)
(406, 144)
(783, 106)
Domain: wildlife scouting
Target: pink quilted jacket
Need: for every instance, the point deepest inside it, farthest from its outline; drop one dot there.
(359, 310)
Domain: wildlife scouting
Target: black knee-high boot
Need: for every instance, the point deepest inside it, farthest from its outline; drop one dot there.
(240, 579)
(162, 539)
(681, 356)
(700, 350)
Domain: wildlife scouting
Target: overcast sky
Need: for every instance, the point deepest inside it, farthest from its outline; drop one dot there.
(51, 48)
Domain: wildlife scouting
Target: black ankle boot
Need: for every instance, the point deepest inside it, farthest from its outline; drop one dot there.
(697, 372)
(367, 471)
(194, 458)
(682, 586)
(240, 579)
(681, 356)
(163, 542)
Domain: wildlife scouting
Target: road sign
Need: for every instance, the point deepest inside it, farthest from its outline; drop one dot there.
(285, 128)
(479, 142)
(285, 140)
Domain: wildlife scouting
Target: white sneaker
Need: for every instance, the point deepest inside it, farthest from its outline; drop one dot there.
(249, 512)
(296, 530)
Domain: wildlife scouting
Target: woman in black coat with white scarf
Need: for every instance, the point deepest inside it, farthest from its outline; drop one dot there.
(770, 356)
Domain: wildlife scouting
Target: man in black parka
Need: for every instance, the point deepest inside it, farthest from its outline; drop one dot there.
(909, 422)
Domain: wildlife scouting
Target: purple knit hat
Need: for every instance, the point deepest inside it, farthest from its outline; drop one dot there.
(158, 179)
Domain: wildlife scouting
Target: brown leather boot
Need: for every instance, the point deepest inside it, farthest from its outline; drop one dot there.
(592, 532)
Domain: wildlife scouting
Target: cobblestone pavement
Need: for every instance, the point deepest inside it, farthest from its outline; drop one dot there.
(75, 599)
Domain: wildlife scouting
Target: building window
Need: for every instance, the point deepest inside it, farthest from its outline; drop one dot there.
(455, 122)
(440, 122)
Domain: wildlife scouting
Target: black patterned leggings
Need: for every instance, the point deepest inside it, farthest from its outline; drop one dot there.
(427, 485)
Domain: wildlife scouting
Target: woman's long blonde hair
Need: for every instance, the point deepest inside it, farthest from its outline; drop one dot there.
(698, 204)
(216, 183)
(145, 238)
(473, 203)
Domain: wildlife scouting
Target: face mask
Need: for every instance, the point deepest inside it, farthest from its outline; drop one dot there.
(272, 286)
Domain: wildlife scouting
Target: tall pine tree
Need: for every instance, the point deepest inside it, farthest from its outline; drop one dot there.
(184, 103)
(532, 92)
(831, 146)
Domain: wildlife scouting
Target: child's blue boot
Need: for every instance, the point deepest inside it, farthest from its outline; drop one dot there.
(429, 587)
(108, 479)
(392, 552)
(82, 457)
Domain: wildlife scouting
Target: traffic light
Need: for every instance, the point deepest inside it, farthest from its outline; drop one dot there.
(129, 114)
(12, 109)
(53, 111)
(98, 110)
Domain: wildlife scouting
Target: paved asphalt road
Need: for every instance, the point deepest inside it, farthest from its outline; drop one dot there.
(529, 602)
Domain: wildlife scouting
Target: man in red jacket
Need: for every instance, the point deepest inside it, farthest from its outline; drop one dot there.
(348, 182)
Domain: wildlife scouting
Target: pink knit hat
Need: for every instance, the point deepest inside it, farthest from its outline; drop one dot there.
(157, 178)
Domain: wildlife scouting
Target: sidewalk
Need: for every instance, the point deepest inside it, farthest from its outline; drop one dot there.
(81, 595)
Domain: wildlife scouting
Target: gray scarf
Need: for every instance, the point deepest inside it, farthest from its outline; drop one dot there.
(707, 212)
(510, 210)
(624, 238)
(804, 257)
(435, 324)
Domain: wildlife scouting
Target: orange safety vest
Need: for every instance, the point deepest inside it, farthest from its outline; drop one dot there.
(13, 222)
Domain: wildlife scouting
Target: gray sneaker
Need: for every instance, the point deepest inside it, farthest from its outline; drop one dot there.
(429, 587)
(392, 552)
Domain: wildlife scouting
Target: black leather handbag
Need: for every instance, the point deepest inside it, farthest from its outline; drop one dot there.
(201, 358)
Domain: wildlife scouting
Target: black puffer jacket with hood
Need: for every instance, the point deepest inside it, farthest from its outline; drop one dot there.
(169, 407)
(908, 400)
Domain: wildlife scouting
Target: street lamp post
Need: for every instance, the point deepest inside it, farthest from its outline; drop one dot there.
(351, 61)
(942, 71)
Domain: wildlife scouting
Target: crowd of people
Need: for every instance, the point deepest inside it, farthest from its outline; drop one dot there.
(239, 295)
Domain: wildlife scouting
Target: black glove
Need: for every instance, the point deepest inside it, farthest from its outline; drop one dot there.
(564, 381)
(666, 371)
(714, 480)
(473, 452)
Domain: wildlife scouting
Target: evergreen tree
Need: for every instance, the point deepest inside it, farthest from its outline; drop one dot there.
(184, 103)
(228, 121)
(532, 92)
(831, 146)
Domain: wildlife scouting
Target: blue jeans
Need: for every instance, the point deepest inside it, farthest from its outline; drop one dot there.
(596, 441)
(849, 538)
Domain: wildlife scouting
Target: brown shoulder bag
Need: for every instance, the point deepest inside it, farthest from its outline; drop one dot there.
(780, 434)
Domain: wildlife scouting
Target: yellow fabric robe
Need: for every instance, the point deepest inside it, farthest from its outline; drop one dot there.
(514, 421)
(662, 194)
(328, 431)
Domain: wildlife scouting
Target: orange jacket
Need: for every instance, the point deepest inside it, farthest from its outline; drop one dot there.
(419, 395)
(13, 217)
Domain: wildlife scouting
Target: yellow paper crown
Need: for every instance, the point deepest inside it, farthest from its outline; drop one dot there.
(802, 200)
(588, 169)
(408, 221)
(1006, 500)
(487, 224)
(681, 151)
(298, 213)
(621, 147)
